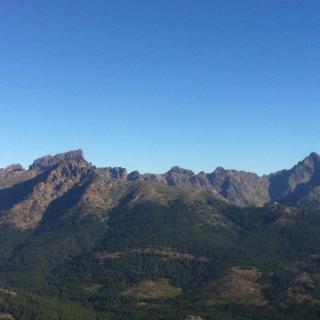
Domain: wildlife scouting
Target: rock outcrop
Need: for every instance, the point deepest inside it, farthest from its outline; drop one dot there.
(49, 161)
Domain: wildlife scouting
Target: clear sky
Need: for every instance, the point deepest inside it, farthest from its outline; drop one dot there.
(149, 84)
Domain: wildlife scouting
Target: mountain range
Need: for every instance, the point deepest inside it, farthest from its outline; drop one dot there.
(49, 177)
(81, 242)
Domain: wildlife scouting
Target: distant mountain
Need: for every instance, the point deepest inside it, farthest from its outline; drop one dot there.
(49, 161)
(80, 242)
(297, 187)
(14, 174)
(47, 179)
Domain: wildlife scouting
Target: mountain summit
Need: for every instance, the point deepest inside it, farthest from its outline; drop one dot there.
(299, 186)
(49, 161)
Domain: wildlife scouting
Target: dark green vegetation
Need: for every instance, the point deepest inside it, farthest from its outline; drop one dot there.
(112, 249)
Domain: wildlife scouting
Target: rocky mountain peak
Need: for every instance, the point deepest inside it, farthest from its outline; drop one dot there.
(179, 170)
(48, 161)
(13, 167)
(134, 175)
(312, 158)
(220, 170)
(180, 177)
(298, 186)
(115, 173)
(306, 169)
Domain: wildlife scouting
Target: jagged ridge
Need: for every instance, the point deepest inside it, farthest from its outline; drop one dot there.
(27, 194)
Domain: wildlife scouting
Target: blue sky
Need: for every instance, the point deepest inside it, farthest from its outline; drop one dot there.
(151, 84)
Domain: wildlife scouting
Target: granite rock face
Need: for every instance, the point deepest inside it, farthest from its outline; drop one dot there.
(24, 204)
(115, 173)
(240, 187)
(13, 167)
(46, 162)
(299, 186)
